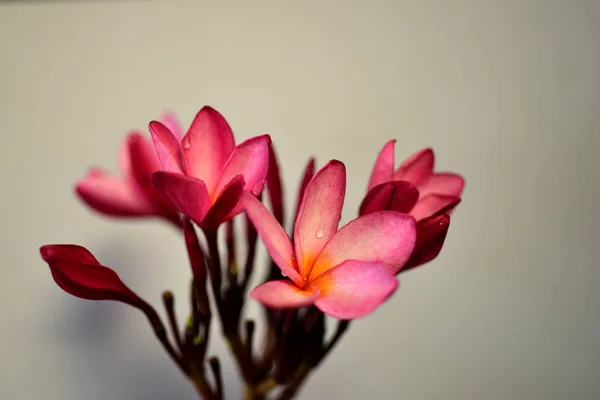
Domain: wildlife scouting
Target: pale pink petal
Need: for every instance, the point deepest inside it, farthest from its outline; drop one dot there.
(226, 206)
(354, 289)
(187, 194)
(207, 146)
(444, 183)
(171, 121)
(319, 213)
(284, 294)
(309, 172)
(251, 160)
(382, 236)
(383, 170)
(417, 167)
(276, 240)
(167, 148)
(110, 195)
(434, 204)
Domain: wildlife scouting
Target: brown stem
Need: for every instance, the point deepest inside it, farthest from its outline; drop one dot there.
(169, 303)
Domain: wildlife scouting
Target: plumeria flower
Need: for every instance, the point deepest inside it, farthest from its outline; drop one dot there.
(346, 273)
(131, 194)
(205, 173)
(415, 189)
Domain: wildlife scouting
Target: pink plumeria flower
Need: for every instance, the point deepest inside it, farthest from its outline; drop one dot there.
(435, 191)
(346, 273)
(205, 173)
(131, 194)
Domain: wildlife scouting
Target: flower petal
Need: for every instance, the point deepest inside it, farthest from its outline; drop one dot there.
(383, 170)
(250, 159)
(111, 195)
(171, 121)
(187, 194)
(274, 189)
(309, 172)
(444, 183)
(224, 207)
(382, 236)
(431, 234)
(167, 147)
(417, 167)
(274, 237)
(78, 273)
(319, 214)
(434, 204)
(284, 294)
(354, 289)
(207, 146)
(398, 196)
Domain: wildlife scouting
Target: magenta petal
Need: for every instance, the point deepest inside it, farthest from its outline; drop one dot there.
(274, 185)
(250, 159)
(384, 166)
(188, 195)
(434, 204)
(224, 207)
(171, 121)
(398, 196)
(444, 183)
(207, 146)
(417, 167)
(319, 214)
(309, 172)
(273, 235)
(167, 148)
(112, 196)
(387, 237)
(354, 289)
(284, 294)
(431, 234)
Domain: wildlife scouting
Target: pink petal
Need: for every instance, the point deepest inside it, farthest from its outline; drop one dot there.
(171, 121)
(434, 204)
(187, 194)
(224, 207)
(274, 189)
(431, 234)
(167, 148)
(284, 294)
(110, 195)
(250, 159)
(354, 289)
(207, 146)
(384, 166)
(274, 237)
(444, 183)
(398, 196)
(417, 167)
(319, 213)
(309, 172)
(382, 236)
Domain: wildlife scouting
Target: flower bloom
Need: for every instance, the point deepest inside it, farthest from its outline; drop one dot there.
(132, 194)
(204, 173)
(346, 273)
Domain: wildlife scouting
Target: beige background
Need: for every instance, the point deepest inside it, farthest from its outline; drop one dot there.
(506, 92)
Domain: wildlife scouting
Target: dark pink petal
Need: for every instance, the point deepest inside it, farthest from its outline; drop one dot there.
(284, 294)
(319, 214)
(250, 159)
(78, 273)
(398, 196)
(387, 237)
(444, 183)
(274, 237)
(417, 167)
(434, 204)
(274, 185)
(167, 148)
(354, 289)
(187, 194)
(112, 196)
(171, 121)
(224, 208)
(309, 172)
(431, 234)
(384, 166)
(207, 146)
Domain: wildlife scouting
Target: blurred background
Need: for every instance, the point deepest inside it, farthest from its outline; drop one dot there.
(507, 92)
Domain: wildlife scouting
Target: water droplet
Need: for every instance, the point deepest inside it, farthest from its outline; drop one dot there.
(283, 274)
(186, 143)
(320, 233)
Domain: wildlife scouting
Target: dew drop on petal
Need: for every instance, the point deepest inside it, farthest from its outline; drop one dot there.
(283, 274)
(186, 143)
(320, 233)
